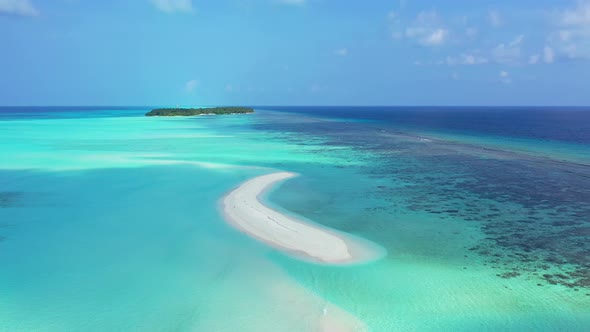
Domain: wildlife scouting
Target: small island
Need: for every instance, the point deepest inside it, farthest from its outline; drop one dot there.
(199, 111)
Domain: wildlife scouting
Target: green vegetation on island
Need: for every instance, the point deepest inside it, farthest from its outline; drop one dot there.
(199, 111)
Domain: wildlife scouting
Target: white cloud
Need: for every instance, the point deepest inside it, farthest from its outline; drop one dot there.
(548, 55)
(565, 35)
(517, 41)
(506, 54)
(341, 52)
(572, 36)
(18, 8)
(495, 18)
(395, 24)
(471, 32)
(191, 86)
(427, 17)
(509, 53)
(292, 2)
(174, 6)
(579, 16)
(505, 77)
(467, 59)
(427, 29)
(436, 37)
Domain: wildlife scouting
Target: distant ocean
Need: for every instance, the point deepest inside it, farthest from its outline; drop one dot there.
(110, 221)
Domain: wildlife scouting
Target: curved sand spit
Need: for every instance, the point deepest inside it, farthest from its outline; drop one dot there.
(244, 210)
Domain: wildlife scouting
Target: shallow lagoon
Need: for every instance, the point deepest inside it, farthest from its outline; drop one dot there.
(112, 223)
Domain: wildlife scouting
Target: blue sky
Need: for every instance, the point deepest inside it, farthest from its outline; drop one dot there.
(294, 52)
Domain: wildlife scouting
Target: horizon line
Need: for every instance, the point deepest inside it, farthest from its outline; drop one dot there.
(267, 106)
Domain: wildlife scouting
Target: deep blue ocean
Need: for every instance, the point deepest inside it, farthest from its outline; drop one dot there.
(570, 124)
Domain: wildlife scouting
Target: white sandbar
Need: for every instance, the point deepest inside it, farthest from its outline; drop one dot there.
(244, 210)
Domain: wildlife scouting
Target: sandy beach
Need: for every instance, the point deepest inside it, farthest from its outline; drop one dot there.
(244, 210)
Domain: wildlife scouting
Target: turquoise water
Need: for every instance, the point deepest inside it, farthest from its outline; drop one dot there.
(109, 222)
